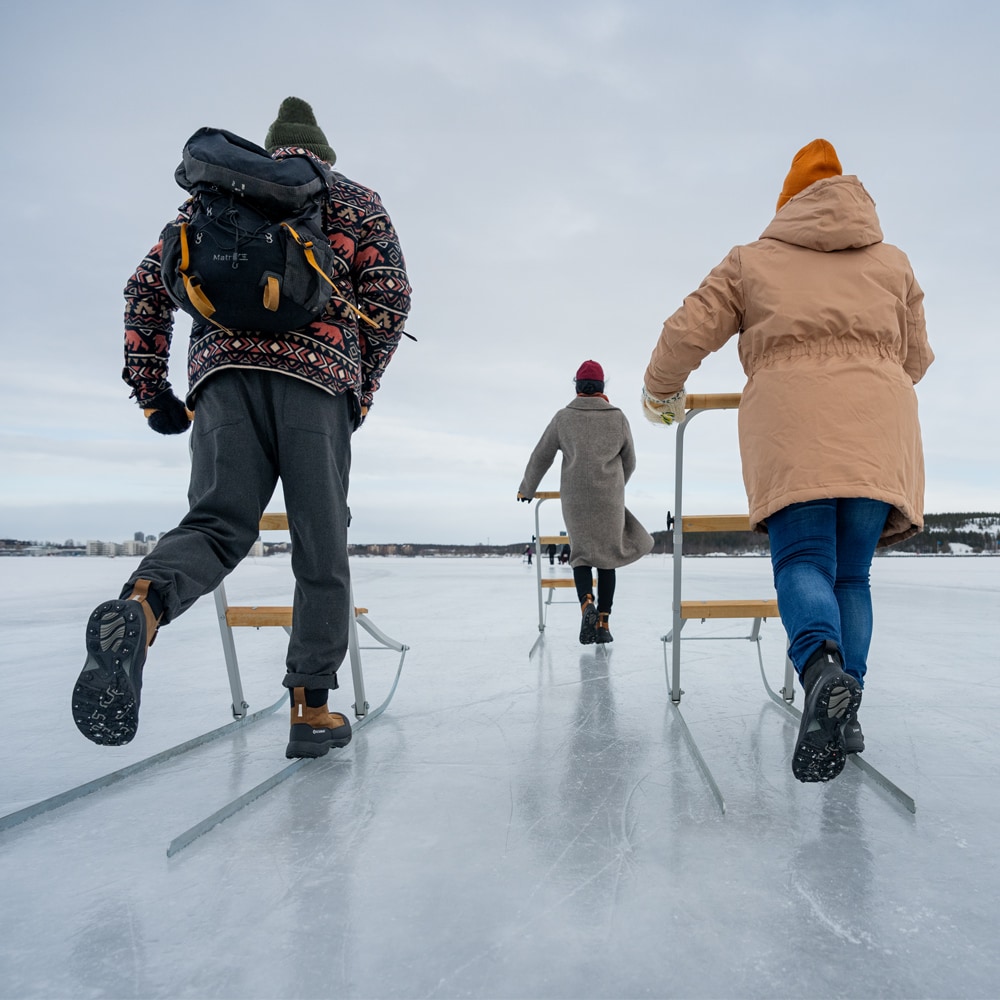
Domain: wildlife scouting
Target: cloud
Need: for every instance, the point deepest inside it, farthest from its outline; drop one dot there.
(561, 175)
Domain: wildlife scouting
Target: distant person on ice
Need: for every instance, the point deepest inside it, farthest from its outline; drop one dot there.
(267, 406)
(832, 340)
(598, 459)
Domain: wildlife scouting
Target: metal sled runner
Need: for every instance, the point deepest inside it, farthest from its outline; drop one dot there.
(256, 616)
(547, 585)
(550, 583)
(229, 618)
(755, 610)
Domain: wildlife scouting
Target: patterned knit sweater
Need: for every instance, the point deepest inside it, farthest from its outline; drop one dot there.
(331, 352)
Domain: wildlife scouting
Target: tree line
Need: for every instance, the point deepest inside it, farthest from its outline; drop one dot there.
(980, 531)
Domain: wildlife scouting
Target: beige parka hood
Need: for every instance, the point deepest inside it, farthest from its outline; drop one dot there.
(833, 214)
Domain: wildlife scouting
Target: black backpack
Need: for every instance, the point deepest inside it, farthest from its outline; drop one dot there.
(253, 255)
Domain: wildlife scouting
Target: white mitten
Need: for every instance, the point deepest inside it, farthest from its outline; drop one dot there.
(664, 411)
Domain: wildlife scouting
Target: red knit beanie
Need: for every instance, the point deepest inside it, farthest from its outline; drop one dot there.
(590, 371)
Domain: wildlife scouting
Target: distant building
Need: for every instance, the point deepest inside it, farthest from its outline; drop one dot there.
(97, 548)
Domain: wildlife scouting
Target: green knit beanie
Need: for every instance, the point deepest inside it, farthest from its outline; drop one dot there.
(296, 126)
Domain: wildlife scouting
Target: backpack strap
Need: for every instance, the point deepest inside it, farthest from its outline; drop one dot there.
(272, 293)
(311, 258)
(192, 285)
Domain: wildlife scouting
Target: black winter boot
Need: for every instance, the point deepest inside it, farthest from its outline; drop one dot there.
(603, 628)
(106, 696)
(831, 701)
(588, 627)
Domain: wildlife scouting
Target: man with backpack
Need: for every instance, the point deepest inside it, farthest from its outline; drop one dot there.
(270, 402)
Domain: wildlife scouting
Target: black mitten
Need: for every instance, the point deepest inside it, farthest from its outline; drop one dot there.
(166, 414)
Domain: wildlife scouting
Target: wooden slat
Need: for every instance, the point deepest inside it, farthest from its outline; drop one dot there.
(715, 522)
(554, 539)
(258, 617)
(713, 401)
(274, 522)
(559, 581)
(547, 495)
(729, 609)
(264, 617)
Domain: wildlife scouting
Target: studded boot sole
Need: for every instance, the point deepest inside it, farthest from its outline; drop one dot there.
(832, 700)
(106, 695)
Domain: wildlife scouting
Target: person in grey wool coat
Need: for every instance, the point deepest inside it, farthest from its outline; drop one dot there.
(598, 459)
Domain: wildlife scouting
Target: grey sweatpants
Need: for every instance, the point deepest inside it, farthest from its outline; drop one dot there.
(252, 428)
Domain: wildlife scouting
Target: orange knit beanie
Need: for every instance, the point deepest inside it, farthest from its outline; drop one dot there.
(811, 163)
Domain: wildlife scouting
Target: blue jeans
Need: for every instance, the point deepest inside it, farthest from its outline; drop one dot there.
(821, 552)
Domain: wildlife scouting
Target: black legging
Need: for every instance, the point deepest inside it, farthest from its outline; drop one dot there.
(583, 577)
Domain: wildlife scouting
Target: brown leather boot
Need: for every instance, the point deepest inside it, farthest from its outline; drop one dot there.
(140, 594)
(315, 730)
(603, 629)
(588, 627)
(106, 696)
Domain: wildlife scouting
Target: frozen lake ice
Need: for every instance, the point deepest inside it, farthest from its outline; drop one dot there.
(512, 826)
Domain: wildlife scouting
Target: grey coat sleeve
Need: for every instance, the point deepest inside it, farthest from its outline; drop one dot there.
(628, 449)
(541, 460)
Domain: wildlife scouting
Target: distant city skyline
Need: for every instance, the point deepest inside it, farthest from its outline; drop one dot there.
(991, 525)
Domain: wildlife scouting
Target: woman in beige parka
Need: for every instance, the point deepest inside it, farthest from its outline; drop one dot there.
(832, 339)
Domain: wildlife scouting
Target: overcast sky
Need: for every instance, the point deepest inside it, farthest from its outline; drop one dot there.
(561, 174)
